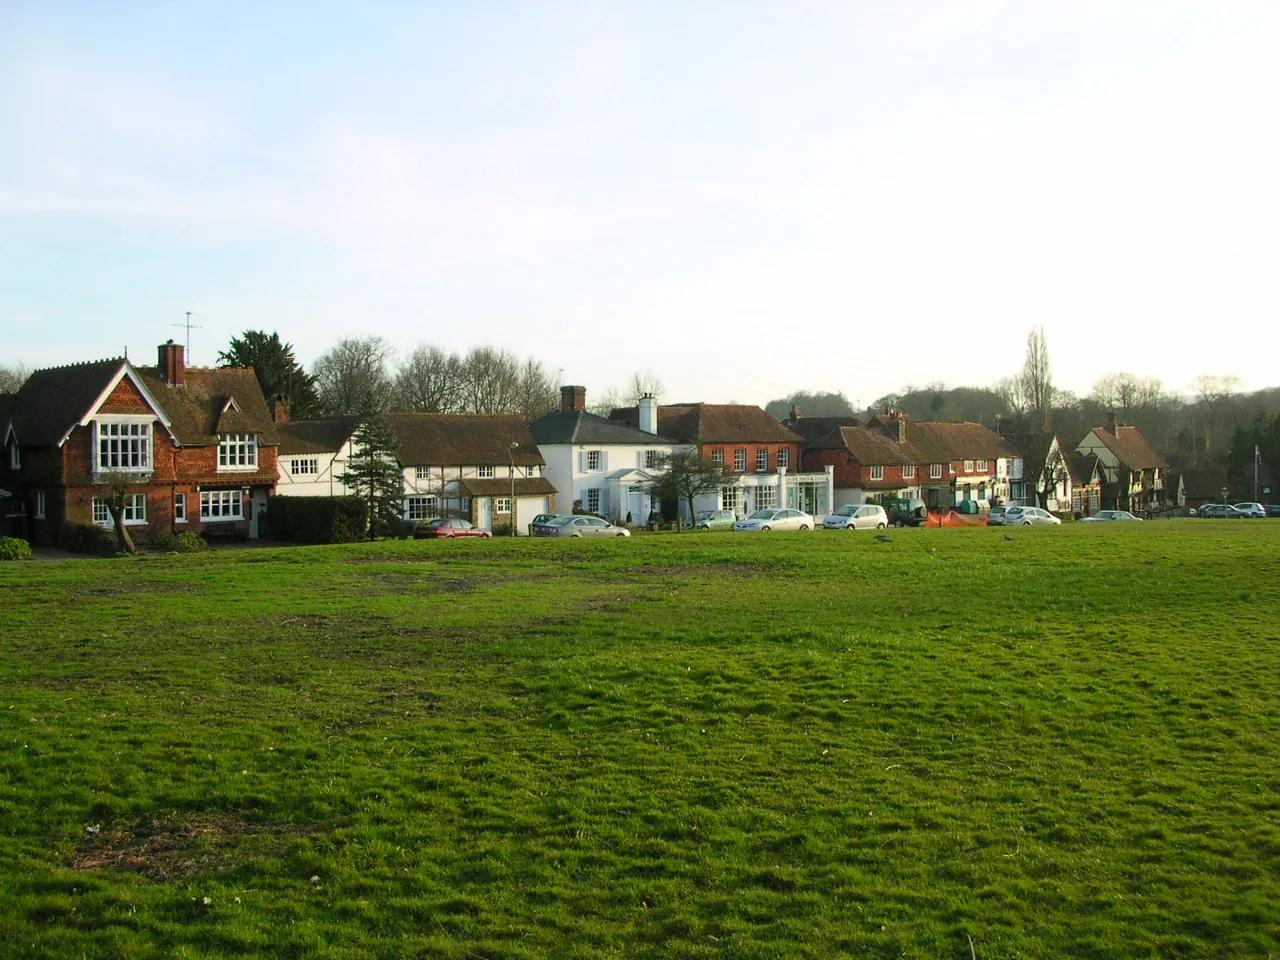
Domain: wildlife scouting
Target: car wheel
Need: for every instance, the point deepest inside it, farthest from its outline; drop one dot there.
(899, 523)
(879, 526)
(576, 536)
(1026, 523)
(804, 526)
(619, 534)
(766, 528)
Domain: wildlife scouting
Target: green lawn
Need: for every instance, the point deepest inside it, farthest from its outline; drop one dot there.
(782, 745)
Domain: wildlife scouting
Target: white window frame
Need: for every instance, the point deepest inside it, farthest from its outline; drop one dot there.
(214, 502)
(762, 460)
(968, 466)
(935, 471)
(179, 508)
(593, 500)
(784, 458)
(983, 466)
(304, 466)
(717, 457)
(101, 515)
(422, 473)
(909, 472)
(485, 471)
(766, 497)
(595, 461)
(877, 472)
(730, 497)
(740, 460)
(237, 452)
(135, 510)
(652, 459)
(135, 443)
(39, 504)
(501, 504)
(423, 507)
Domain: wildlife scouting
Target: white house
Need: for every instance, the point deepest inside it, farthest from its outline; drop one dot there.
(598, 465)
(313, 455)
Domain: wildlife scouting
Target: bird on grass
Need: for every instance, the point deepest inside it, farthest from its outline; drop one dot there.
(881, 538)
(1009, 538)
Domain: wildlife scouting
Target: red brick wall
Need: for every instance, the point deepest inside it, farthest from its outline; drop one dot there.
(730, 449)
(125, 398)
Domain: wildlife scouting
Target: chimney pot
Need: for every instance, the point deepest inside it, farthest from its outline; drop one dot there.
(573, 399)
(1111, 423)
(172, 365)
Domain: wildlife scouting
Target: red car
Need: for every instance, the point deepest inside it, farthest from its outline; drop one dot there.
(448, 527)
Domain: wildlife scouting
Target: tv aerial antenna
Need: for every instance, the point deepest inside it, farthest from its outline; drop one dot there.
(189, 327)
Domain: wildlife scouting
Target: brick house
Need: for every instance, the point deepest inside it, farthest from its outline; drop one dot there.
(761, 456)
(1133, 471)
(197, 445)
(895, 456)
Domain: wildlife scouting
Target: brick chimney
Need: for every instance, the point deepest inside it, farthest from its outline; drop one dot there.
(795, 413)
(172, 366)
(573, 399)
(280, 409)
(648, 411)
(1111, 423)
(899, 429)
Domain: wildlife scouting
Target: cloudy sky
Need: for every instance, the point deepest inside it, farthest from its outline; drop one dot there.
(746, 198)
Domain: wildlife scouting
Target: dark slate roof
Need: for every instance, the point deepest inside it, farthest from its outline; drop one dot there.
(457, 439)
(1082, 468)
(314, 436)
(699, 423)
(499, 487)
(580, 427)
(196, 410)
(819, 433)
(53, 401)
(1130, 447)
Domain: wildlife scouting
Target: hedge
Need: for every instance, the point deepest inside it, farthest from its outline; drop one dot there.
(316, 519)
(14, 548)
(87, 538)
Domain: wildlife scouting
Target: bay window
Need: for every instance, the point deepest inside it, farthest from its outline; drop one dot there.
(122, 445)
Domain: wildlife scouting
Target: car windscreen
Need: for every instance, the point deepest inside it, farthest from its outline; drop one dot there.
(845, 511)
(764, 515)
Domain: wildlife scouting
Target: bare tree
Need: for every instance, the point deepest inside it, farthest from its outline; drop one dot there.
(536, 392)
(1009, 389)
(116, 497)
(642, 384)
(430, 381)
(354, 367)
(12, 377)
(490, 381)
(1216, 394)
(1035, 383)
(606, 402)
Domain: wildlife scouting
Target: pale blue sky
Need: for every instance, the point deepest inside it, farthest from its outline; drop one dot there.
(746, 198)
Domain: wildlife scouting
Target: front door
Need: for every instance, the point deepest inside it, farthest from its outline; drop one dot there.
(484, 513)
(257, 514)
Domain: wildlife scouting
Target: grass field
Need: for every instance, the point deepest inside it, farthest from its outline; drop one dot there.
(814, 745)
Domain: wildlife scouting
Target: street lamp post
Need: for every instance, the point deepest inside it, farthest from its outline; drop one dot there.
(511, 455)
(1224, 504)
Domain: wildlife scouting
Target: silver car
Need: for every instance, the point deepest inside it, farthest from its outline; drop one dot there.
(578, 527)
(854, 516)
(1107, 516)
(1029, 516)
(774, 518)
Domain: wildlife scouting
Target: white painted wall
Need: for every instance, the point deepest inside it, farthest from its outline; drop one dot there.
(323, 483)
(566, 469)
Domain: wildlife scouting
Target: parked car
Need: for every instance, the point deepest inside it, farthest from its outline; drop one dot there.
(1104, 516)
(1220, 511)
(714, 519)
(855, 516)
(582, 526)
(906, 513)
(1256, 510)
(447, 528)
(1029, 516)
(775, 518)
(1273, 509)
(995, 516)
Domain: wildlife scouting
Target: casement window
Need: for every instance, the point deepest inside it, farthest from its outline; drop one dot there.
(982, 466)
(135, 510)
(717, 457)
(219, 505)
(485, 472)
(766, 497)
(422, 473)
(595, 460)
(39, 504)
(179, 508)
(909, 472)
(304, 466)
(968, 466)
(652, 459)
(593, 500)
(237, 451)
(762, 461)
(935, 471)
(123, 446)
(740, 460)
(784, 458)
(729, 497)
(502, 505)
(421, 508)
(877, 473)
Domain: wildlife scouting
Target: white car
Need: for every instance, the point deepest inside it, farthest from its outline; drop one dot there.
(775, 518)
(1252, 509)
(853, 516)
(1029, 516)
(1103, 516)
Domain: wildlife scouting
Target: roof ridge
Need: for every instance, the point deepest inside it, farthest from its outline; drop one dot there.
(81, 363)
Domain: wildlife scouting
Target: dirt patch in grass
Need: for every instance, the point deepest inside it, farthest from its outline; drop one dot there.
(183, 845)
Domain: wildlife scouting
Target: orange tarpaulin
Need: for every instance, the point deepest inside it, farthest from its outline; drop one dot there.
(953, 519)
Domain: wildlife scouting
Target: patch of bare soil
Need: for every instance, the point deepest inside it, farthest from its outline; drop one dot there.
(182, 845)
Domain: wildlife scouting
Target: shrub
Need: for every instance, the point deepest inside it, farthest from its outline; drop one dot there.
(87, 538)
(12, 548)
(316, 519)
(185, 542)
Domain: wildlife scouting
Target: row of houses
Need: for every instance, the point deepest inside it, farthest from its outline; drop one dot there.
(202, 449)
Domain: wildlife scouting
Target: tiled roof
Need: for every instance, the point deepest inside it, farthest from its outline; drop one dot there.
(1081, 467)
(314, 436)
(944, 442)
(498, 487)
(820, 433)
(875, 447)
(54, 400)
(580, 427)
(876, 443)
(1130, 447)
(196, 410)
(456, 439)
(698, 423)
